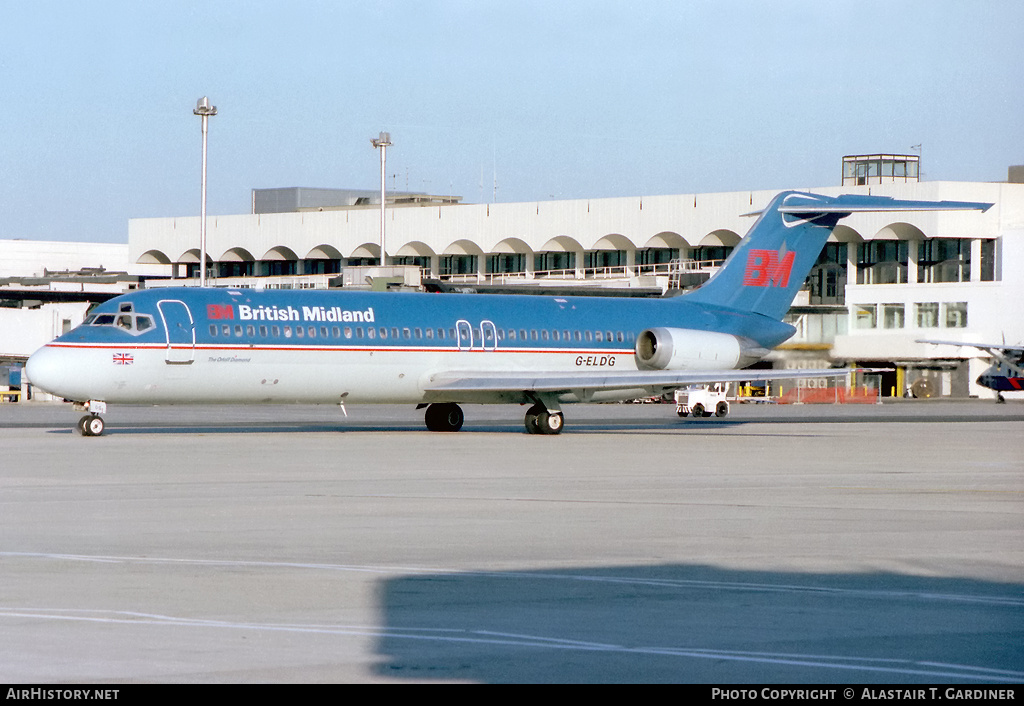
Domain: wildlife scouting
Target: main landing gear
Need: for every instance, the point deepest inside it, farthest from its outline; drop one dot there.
(448, 416)
(445, 416)
(541, 420)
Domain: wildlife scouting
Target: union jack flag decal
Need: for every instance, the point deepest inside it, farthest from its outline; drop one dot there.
(123, 359)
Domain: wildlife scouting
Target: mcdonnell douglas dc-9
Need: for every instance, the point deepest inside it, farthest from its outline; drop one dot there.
(212, 345)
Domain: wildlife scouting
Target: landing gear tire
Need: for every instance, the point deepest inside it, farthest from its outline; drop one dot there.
(444, 417)
(90, 425)
(697, 410)
(540, 421)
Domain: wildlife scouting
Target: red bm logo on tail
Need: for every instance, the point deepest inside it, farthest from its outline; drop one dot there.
(768, 268)
(218, 311)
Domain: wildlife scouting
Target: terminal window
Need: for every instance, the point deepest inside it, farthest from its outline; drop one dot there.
(944, 260)
(955, 314)
(927, 315)
(892, 315)
(865, 316)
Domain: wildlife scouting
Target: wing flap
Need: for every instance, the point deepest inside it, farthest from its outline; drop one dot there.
(477, 382)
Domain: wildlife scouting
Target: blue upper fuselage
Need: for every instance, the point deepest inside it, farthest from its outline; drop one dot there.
(326, 317)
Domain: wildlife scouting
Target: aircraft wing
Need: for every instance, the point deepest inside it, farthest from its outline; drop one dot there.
(989, 347)
(553, 383)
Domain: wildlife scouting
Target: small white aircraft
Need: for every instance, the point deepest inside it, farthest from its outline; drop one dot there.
(207, 345)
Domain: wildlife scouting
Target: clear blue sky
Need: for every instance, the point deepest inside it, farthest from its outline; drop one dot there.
(561, 99)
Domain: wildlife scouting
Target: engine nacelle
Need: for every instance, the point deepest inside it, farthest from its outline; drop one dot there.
(690, 349)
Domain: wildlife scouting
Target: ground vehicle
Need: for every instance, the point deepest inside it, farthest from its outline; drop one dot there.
(702, 400)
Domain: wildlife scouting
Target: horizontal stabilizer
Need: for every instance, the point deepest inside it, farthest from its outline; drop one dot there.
(814, 204)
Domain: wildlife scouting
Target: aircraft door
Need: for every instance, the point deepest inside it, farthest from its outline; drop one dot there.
(490, 335)
(465, 334)
(181, 332)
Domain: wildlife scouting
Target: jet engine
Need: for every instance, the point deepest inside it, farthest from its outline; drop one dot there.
(690, 349)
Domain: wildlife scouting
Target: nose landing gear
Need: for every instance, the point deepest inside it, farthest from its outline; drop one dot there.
(91, 424)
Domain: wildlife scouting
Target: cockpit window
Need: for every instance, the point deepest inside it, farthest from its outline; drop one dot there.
(125, 320)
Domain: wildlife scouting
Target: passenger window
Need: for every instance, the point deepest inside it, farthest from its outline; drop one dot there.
(348, 332)
(263, 331)
(287, 331)
(511, 334)
(226, 329)
(275, 331)
(213, 329)
(577, 335)
(335, 331)
(371, 333)
(533, 334)
(588, 336)
(598, 336)
(406, 334)
(238, 330)
(430, 334)
(383, 333)
(250, 331)
(312, 331)
(394, 332)
(544, 335)
(300, 332)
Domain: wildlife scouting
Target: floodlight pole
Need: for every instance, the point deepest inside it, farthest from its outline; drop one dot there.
(204, 110)
(382, 142)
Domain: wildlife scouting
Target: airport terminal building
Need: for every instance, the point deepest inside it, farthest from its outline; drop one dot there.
(882, 282)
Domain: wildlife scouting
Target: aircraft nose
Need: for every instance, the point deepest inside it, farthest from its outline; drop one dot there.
(47, 370)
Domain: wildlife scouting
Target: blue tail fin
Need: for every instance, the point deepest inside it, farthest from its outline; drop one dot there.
(765, 271)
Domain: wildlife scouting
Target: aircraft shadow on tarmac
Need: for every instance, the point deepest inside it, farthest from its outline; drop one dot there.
(700, 624)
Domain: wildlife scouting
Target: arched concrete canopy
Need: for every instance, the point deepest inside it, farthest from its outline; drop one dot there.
(667, 240)
(237, 255)
(367, 250)
(561, 243)
(280, 252)
(510, 246)
(155, 257)
(324, 252)
(415, 249)
(614, 241)
(845, 234)
(191, 256)
(723, 237)
(900, 231)
(463, 247)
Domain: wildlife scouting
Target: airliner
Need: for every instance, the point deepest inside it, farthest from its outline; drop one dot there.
(1005, 374)
(437, 351)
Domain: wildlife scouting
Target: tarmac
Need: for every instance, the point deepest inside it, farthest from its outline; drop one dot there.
(780, 544)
